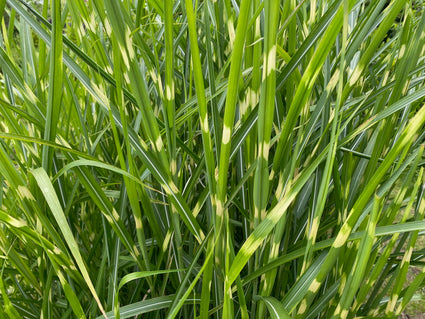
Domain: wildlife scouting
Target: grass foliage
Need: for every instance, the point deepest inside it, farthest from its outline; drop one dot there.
(225, 159)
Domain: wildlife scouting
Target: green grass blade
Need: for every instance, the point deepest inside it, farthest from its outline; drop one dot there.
(146, 306)
(275, 308)
(56, 209)
(55, 84)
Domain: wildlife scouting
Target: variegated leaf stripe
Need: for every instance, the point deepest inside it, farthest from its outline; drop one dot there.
(394, 208)
(420, 209)
(21, 228)
(306, 86)
(405, 140)
(405, 262)
(17, 261)
(355, 278)
(169, 104)
(264, 128)
(137, 83)
(140, 147)
(206, 140)
(335, 131)
(266, 226)
(229, 116)
(9, 67)
(371, 49)
(27, 202)
(149, 120)
(201, 99)
(379, 232)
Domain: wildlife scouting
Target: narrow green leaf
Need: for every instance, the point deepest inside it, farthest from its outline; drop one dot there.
(275, 307)
(50, 195)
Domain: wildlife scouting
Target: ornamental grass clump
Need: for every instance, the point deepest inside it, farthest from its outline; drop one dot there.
(224, 159)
